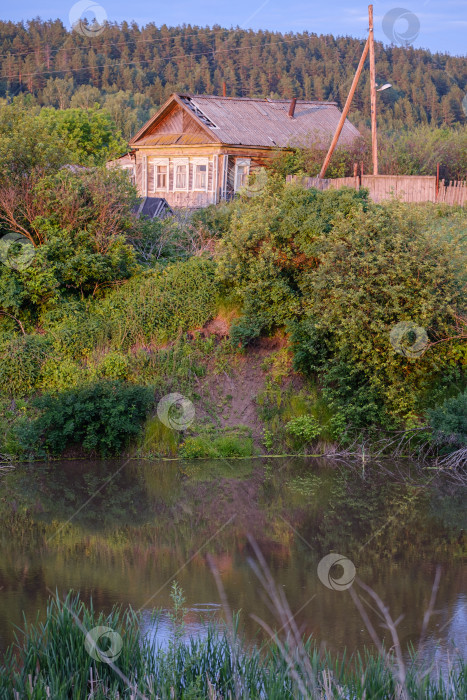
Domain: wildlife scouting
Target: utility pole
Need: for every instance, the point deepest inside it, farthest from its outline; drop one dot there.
(345, 111)
(374, 137)
(369, 48)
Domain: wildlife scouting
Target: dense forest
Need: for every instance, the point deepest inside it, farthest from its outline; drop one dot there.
(131, 70)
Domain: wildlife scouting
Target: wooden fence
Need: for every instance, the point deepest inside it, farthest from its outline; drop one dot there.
(454, 192)
(408, 188)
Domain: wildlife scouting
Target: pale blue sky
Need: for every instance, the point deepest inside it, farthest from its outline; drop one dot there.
(442, 23)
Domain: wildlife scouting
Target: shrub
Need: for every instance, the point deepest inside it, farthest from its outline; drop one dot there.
(246, 330)
(449, 421)
(304, 429)
(270, 247)
(102, 417)
(161, 303)
(114, 365)
(377, 269)
(21, 359)
(59, 375)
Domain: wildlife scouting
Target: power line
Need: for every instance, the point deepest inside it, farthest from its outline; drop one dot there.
(161, 58)
(124, 43)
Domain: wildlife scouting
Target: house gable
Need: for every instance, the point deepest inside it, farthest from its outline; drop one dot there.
(174, 123)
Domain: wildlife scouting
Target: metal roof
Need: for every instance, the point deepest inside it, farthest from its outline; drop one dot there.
(156, 139)
(255, 122)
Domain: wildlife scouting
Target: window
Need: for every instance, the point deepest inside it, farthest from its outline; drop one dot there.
(161, 174)
(130, 171)
(201, 176)
(181, 176)
(161, 177)
(242, 170)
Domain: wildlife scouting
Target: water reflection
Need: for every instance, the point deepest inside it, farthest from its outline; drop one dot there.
(155, 521)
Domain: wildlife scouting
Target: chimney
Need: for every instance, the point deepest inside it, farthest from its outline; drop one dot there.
(292, 107)
(224, 89)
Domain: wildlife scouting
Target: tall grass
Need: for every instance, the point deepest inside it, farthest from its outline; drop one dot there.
(49, 660)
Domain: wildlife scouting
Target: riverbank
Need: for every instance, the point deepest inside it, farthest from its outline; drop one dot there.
(332, 324)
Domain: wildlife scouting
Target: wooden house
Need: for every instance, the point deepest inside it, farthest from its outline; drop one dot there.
(199, 149)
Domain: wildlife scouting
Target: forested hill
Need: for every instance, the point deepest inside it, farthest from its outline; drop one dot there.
(140, 67)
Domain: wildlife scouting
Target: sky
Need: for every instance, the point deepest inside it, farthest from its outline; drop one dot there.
(438, 25)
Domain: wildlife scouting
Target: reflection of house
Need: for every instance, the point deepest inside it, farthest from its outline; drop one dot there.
(199, 149)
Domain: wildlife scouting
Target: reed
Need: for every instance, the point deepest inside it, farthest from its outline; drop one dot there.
(49, 660)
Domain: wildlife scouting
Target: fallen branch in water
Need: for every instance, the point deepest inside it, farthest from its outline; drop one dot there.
(456, 464)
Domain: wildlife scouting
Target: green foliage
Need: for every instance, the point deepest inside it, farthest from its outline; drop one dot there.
(377, 269)
(58, 375)
(304, 429)
(214, 220)
(89, 135)
(161, 303)
(449, 421)
(114, 365)
(21, 360)
(196, 668)
(269, 248)
(408, 150)
(247, 329)
(206, 446)
(78, 222)
(26, 143)
(340, 274)
(101, 417)
(158, 440)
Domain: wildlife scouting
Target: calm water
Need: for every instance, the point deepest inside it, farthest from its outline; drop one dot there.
(124, 540)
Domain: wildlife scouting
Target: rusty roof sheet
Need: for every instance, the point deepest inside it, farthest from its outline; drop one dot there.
(255, 122)
(186, 139)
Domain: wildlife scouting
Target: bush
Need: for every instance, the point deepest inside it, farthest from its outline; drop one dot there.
(246, 330)
(59, 375)
(304, 429)
(269, 248)
(102, 417)
(378, 269)
(449, 421)
(114, 366)
(21, 359)
(160, 304)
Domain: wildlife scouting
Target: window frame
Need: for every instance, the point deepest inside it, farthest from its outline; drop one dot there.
(181, 162)
(156, 163)
(241, 162)
(196, 163)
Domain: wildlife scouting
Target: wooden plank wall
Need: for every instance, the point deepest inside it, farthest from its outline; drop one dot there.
(454, 192)
(408, 188)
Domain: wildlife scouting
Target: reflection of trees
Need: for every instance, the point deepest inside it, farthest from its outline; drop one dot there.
(153, 518)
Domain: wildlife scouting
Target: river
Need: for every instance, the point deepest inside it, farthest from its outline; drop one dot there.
(121, 533)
